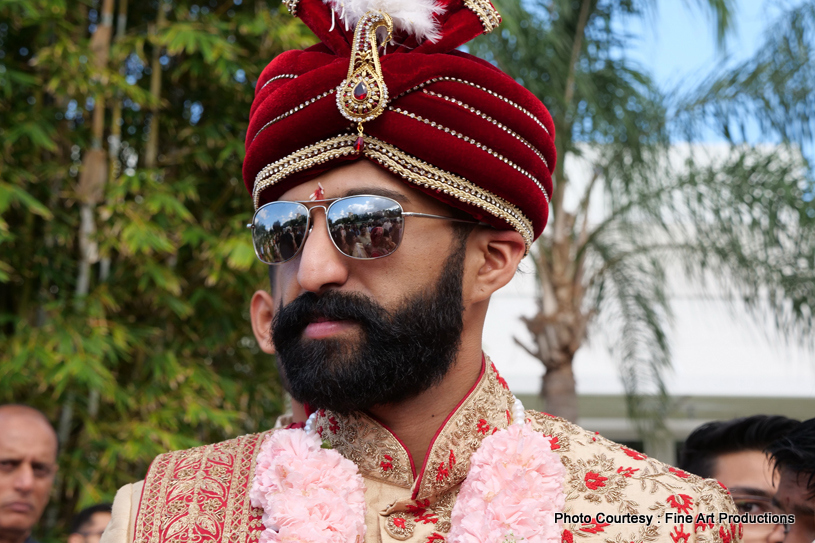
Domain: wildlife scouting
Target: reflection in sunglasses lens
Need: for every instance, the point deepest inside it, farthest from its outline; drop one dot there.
(364, 227)
(279, 231)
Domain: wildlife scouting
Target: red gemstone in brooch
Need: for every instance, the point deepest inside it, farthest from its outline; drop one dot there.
(361, 91)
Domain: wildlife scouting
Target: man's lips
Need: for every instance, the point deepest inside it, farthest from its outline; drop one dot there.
(19, 507)
(322, 327)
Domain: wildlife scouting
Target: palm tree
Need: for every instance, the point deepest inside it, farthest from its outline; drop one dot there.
(747, 215)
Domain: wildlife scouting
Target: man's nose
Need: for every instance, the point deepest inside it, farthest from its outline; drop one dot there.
(321, 265)
(24, 478)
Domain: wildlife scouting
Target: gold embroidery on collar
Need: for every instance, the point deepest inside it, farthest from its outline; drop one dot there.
(379, 454)
(361, 439)
(485, 411)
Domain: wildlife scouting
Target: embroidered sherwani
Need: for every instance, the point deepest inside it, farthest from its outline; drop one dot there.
(202, 495)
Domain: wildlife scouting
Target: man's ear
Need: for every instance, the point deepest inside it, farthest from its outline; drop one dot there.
(262, 311)
(498, 253)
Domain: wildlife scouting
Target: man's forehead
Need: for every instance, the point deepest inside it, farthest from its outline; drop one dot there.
(24, 436)
(793, 491)
(361, 177)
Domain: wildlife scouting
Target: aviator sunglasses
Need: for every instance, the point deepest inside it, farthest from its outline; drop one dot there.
(365, 227)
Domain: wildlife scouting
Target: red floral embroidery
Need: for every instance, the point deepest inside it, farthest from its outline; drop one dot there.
(427, 518)
(320, 431)
(501, 380)
(594, 527)
(419, 508)
(627, 472)
(387, 464)
(679, 473)
(434, 537)
(680, 533)
(509, 417)
(725, 535)
(483, 426)
(452, 460)
(554, 443)
(634, 454)
(595, 480)
(441, 473)
(682, 506)
(399, 522)
(703, 525)
(567, 537)
(333, 425)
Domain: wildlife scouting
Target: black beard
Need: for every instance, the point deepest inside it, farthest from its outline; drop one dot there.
(400, 354)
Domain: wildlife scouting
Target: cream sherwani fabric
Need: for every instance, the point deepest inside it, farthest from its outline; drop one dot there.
(201, 495)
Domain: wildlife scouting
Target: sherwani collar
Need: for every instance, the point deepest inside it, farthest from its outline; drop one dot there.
(380, 455)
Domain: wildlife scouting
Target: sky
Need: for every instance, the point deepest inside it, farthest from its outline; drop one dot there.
(682, 45)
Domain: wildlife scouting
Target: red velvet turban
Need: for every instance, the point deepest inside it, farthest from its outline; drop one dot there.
(454, 126)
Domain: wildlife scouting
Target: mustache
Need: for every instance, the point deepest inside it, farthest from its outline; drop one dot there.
(332, 305)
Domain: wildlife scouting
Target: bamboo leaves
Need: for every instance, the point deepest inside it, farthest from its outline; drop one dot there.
(156, 352)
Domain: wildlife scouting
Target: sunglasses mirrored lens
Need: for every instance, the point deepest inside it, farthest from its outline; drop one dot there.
(279, 231)
(366, 226)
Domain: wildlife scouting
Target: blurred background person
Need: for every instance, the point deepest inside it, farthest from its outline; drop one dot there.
(793, 458)
(28, 463)
(89, 524)
(733, 452)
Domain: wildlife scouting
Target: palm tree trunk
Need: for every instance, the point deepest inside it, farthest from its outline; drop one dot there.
(559, 328)
(558, 388)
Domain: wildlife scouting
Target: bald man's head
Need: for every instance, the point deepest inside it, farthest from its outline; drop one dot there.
(28, 463)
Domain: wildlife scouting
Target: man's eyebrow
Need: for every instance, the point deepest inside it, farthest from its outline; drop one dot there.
(378, 191)
(797, 508)
(750, 491)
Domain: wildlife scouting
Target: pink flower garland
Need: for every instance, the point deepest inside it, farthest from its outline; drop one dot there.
(314, 495)
(308, 494)
(513, 489)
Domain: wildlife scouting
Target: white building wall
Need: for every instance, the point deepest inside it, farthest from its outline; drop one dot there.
(717, 350)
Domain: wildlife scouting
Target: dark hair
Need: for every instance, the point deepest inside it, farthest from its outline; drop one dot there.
(795, 452)
(84, 517)
(713, 439)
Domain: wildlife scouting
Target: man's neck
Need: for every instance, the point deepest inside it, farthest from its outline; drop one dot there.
(416, 421)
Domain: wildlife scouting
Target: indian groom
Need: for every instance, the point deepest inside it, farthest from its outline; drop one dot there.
(398, 182)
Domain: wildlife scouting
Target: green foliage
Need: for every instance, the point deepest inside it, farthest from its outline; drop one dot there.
(159, 354)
